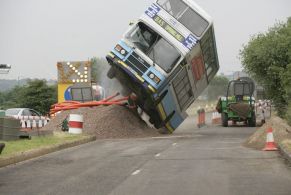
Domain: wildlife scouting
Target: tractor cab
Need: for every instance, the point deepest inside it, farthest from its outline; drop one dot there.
(239, 106)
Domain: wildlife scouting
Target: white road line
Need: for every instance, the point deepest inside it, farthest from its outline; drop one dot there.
(214, 148)
(136, 172)
(174, 144)
(158, 155)
(168, 137)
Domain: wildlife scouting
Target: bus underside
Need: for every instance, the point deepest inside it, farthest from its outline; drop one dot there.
(144, 100)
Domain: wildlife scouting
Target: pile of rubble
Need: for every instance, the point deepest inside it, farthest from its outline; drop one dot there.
(107, 122)
(281, 131)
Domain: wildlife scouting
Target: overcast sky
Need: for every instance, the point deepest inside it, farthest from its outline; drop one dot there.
(36, 34)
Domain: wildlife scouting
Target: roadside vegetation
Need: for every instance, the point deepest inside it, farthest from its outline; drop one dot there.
(25, 145)
(267, 58)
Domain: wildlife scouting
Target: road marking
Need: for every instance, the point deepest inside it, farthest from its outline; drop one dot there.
(174, 144)
(168, 137)
(158, 155)
(214, 148)
(136, 172)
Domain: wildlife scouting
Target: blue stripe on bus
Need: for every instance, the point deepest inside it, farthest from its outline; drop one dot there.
(176, 120)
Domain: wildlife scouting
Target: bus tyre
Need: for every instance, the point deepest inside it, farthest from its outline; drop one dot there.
(111, 72)
(224, 119)
(252, 121)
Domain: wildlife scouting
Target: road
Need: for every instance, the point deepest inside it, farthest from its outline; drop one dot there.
(190, 161)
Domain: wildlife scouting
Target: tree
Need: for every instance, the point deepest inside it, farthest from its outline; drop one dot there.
(217, 87)
(267, 58)
(38, 95)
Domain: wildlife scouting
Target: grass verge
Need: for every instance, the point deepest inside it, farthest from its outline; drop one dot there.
(287, 144)
(25, 145)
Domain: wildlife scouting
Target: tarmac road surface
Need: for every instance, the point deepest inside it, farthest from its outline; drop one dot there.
(190, 161)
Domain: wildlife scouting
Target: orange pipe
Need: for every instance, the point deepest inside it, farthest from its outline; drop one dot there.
(111, 97)
(121, 99)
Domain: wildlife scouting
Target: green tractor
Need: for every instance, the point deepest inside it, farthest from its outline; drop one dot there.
(240, 106)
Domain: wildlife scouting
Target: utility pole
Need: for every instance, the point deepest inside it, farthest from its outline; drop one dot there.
(18, 79)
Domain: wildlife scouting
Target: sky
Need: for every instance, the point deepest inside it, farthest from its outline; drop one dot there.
(36, 34)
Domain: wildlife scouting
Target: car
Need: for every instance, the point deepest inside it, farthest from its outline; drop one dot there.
(25, 113)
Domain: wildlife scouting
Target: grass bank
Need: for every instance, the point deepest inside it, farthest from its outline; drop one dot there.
(25, 145)
(287, 144)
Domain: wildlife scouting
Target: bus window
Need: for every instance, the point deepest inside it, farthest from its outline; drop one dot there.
(189, 18)
(173, 7)
(142, 37)
(193, 22)
(165, 55)
(154, 46)
(209, 56)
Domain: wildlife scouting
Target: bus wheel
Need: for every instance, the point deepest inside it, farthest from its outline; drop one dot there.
(224, 119)
(111, 72)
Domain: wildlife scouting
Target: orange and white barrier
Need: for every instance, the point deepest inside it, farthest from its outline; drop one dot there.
(76, 124)
(270, 143)
(233, 122)
(201, 117)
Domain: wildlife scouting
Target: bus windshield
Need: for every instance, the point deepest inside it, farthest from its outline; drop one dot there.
(154, 46)
(184, 14)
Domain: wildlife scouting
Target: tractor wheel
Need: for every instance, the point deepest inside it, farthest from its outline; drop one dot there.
(224, 119)
(111, 72)
(252, 121)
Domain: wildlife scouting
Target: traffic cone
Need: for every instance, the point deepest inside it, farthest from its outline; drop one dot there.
(218, 117)
(28, 124)
(33, 123)
(198, 107)
(213, 117)
(39, 123)
(206, 108)
(270, 144)
(45, 121)
(23, 124)
(211, 106)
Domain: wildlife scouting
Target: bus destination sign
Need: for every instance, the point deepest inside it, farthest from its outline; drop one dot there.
(169, 29)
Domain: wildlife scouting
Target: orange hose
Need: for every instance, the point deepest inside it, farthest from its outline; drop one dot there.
(86, 104)
(111, 97)
(121, 99)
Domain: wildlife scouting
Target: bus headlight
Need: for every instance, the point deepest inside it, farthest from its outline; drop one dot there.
(121, 50)
(154, 77)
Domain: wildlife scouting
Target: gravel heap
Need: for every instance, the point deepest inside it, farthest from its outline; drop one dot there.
(281, 131)
(107, 122)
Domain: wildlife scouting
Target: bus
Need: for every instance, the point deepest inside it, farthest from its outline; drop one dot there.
(165, 60)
